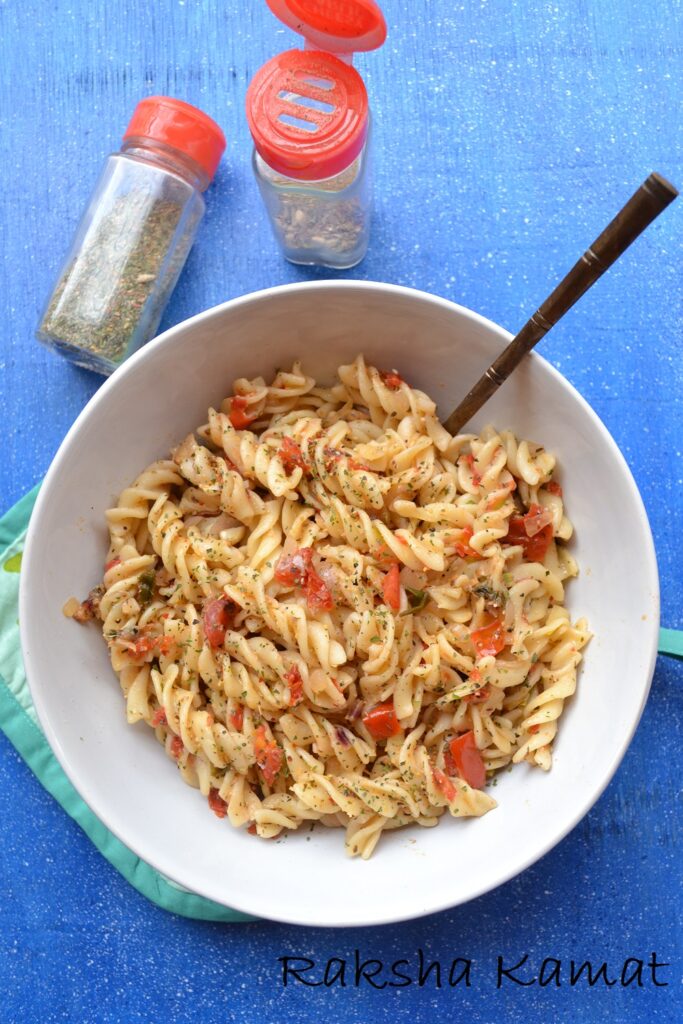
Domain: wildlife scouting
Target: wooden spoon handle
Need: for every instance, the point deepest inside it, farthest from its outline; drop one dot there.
(653, 196)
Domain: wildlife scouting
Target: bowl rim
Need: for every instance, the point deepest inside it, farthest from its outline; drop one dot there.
(149, 352)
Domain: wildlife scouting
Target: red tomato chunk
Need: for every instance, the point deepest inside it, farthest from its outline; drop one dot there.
(391, 588)
(462, 546)
(392, 379)
(463, 756)
(381, 721)
(296, 686)
(239, 417)
(217, 803)
(292, 570)
(489, 639)
(318, 595)
(536, 546)
(297, 571)
(292, 457)
(444, 784)
(237, 718)
(470, 462)
(218, 616)
(268, 755)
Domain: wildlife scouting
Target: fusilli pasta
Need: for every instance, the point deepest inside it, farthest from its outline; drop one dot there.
(328, 609)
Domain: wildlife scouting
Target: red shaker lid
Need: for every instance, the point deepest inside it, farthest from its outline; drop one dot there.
(339, 26)
(180, 125)
(308, 109)
(308, 114)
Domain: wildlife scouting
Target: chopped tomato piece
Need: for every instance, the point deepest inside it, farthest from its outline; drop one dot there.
(292, 570)
(142, 645)
(470, 461)
(334, 455)
(237, 718)
(391, 588)
(159, 717)
(444, 784)
(534, 728)
(164, 644)
(318, 594)
(462, 546)
(239, 417)
(218, 616)
(252, 829)
(296, 685)
(391, 378)
(536, 547)
(489, 639)
(297, 571)
(381, 721)
(469, 764)
(292, 457)
(217, 803)
(268, 755)
(177, 747)
(110, 565)
(554, 488)
(516, 533)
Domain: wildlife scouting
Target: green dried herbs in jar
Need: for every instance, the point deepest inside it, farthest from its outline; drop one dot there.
(135, 236)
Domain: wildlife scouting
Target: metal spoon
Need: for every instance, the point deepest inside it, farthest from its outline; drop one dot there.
(653, 196)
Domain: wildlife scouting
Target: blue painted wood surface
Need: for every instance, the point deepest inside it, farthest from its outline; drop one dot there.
(507, 134)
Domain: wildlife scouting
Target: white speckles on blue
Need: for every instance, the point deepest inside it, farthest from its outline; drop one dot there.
(506, 135)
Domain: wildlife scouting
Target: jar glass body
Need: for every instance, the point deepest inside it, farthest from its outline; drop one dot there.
(125, 258)
(322, 223)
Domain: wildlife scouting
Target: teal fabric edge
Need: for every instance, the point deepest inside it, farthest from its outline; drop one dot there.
(32, 746)
(671, 642)
(15, 520)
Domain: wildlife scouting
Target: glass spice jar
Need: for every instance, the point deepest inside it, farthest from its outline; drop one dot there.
(134, 237)
(309, 119)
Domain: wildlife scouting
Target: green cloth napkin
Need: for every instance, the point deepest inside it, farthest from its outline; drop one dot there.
(19, 722)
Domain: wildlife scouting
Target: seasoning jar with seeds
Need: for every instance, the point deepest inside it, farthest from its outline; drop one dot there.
(134, 237)
(309, 118)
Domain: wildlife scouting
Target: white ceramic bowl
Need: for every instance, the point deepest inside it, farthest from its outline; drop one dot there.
(121, 772)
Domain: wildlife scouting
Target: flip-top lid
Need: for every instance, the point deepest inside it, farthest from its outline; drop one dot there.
(338, 26)
(307, 113)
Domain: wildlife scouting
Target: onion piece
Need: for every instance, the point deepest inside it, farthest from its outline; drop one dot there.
(534, 524)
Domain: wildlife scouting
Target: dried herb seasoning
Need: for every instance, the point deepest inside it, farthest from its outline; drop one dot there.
(135, 235)
(103, 294)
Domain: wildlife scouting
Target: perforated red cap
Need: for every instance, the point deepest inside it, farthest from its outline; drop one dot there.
(180, 125)
(308, 114)
(339, 26)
